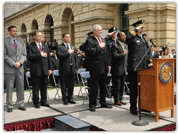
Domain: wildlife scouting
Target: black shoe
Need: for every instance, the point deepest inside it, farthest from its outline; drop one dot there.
(71, 101)
(22, 108)
(134, 112)
(105, 105)
(45, 104)
(9, 110)
(92, 108)
(37, 105)
(65, 102)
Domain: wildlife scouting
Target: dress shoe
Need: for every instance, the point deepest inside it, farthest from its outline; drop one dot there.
(37, 105)
(22, 108)
(92, 108)
(45, 104)
(123, 103)
(105, 105)
(119, 104)
(134, 112)
(71, 101)
(65, 102)
(9, 110)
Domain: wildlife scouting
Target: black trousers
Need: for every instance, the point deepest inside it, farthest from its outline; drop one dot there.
(133, 90)
(39, 82)
(95, 81)
(118, 87)
(67, 81)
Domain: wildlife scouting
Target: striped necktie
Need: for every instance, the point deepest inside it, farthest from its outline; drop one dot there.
(15, 46)
(40, 49)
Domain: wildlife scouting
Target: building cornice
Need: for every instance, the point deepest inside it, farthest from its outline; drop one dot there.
(24, 10)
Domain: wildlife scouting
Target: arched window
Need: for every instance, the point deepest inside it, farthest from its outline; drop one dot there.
(124, 21)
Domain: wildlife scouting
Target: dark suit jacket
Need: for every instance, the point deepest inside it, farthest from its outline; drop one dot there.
(38, 64)
(64, 59)
(119, 59)
(55, 63)
(156, 55)
(98, 59)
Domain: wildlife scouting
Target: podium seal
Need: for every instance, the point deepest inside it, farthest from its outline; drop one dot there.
(166, 72)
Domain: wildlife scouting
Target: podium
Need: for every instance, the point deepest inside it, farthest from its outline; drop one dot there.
(157, 87)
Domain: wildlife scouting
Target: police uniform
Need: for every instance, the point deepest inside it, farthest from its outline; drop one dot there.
(137, 47)
(110, 41)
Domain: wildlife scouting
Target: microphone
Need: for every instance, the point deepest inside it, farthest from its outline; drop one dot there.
(152, 41)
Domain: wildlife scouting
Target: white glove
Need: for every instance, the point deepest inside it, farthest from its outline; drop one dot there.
(139, 27)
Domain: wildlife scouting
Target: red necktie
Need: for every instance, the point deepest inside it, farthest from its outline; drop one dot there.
(100, 42)
(40, 49)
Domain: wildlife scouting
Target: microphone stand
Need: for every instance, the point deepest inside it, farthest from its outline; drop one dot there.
(140, 122)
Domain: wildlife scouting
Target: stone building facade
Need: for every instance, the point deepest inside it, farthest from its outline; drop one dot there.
(78, 19)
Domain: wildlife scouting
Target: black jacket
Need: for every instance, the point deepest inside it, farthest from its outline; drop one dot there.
(119, 59)
(137, 48)
(38, 64)
(98, 59)
(64, 59)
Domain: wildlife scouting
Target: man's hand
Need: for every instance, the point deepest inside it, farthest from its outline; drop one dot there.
(125, 51)
(49, 72)
(70, 51)
(43, 54)
(150, 65)
(109, 68)
(102, 45)
(17, 64)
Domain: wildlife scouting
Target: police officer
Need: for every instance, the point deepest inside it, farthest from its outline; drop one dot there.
(137, 47)
(110, 39)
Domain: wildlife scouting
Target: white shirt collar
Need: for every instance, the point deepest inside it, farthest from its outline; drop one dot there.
(38, 44)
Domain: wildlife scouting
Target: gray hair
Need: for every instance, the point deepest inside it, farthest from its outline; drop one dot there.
(95, 27)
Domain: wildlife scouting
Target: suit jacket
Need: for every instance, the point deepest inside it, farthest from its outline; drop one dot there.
(55, 63)
(10, 55)
(119, 59)
(137, 48)
(98, 59)
(38, 64)
(64, 59)
(155, 55)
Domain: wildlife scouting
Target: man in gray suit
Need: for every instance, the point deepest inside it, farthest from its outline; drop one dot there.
(14, 57)
(119, 52)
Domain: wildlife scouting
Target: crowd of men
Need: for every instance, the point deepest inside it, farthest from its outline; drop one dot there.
(117, 53)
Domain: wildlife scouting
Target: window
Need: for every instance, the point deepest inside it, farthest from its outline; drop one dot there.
(124, 21)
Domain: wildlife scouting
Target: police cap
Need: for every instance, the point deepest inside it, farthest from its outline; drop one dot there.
(112, 29)
(138, 23)
(90, 33)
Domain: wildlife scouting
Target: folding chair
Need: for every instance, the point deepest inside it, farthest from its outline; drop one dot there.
(29, 87)
(109, 87)
(84, 77)
(56, 73)
(78, 73)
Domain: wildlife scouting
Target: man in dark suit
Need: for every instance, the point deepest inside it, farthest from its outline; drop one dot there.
(68, 65)
(40, 68)
(154, 53)
(137, 47)
(119, 52)
(99, 66)
(55, 66)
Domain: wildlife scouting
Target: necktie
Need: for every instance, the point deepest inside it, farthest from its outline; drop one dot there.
(100, 42)
(15, 46)
(40, 49)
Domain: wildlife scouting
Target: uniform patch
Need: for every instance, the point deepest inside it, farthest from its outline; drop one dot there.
(138, 41)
